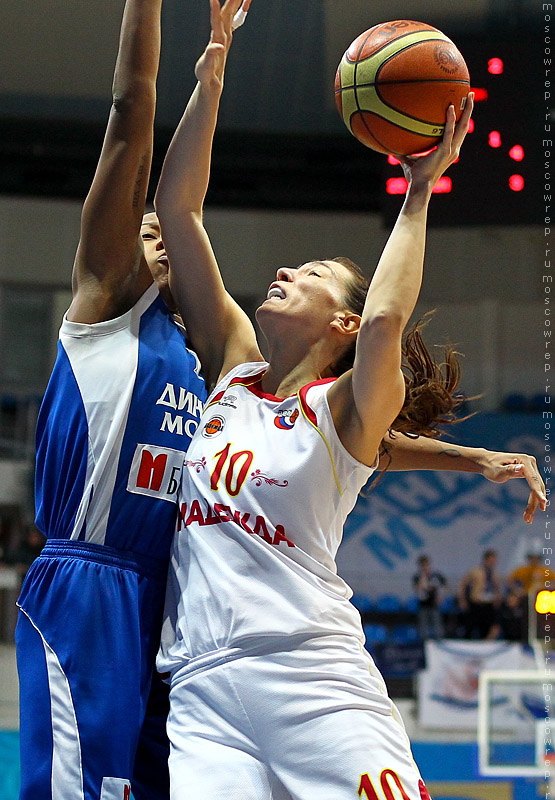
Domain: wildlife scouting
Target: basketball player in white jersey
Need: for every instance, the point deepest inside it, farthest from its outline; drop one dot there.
(272, 694)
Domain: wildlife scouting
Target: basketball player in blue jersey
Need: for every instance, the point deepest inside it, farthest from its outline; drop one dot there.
(123, 401)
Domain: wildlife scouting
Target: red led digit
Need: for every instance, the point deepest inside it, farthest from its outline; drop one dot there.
(495, 66)
(396, 185)
(480, 95)
(516, 183)
(443, 186)
(494, 139)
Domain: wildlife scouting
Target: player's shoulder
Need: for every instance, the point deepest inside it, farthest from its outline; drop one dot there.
(316, 391)
(72, 327)
(313, 398)
(250, 369)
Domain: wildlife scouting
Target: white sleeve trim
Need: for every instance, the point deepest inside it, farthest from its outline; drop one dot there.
(80, 329)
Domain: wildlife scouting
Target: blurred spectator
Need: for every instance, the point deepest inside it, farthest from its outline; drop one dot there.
(480, 595)
(428, 586)
(532, 575)
(24, 553)
(512, 618)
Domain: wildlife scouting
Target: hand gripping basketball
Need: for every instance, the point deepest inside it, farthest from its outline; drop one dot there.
(428, 169)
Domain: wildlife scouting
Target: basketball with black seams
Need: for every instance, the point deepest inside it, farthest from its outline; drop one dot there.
(395, 83)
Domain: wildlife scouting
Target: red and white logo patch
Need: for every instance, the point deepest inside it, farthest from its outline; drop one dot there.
(156, 472)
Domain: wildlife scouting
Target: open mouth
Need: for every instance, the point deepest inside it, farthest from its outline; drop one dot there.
(275, 291)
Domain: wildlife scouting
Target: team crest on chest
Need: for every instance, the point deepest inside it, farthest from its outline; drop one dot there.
(286, 419)
(213, 427)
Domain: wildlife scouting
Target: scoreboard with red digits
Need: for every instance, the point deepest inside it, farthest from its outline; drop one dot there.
(498, 178)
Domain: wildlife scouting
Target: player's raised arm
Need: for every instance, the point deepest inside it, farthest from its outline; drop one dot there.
(411, 453)
(366, 400)
(110, 272)
(219, 330)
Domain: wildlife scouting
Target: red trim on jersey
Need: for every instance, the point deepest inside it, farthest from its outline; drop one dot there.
(254, 385)
(256, 388)
(309, 413)
(423, 791)
(215, 399)
(252, 382)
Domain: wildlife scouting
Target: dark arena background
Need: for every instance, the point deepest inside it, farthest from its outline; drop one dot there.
(289, 183)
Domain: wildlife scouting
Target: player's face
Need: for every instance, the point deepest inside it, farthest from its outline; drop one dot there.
(155, 255)
(153, 246)
(311, 294)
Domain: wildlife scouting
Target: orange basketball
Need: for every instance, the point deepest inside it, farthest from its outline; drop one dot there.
(395, 83)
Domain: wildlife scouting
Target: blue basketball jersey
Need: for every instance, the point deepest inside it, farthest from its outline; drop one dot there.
(122, 404)
(123, 401)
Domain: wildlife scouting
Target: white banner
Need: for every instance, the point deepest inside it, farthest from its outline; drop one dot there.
(448, 687)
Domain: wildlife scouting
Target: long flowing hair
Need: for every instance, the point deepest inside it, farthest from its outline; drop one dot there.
(431, 397)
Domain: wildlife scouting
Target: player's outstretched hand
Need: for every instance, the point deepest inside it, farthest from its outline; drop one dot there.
(224, 19)
(427, 170)
(241, 15)
(502, 467)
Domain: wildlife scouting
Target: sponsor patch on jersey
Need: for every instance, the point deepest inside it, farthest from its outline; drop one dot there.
(228, 400)
(285, 420)
(213, 427)
(156, 472)
(115, 789)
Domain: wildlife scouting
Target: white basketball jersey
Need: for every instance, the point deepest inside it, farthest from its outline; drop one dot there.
(265, 492)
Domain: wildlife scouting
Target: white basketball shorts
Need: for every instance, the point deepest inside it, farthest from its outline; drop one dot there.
(311, 721)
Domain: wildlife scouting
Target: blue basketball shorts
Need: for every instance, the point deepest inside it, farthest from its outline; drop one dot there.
(87, 635)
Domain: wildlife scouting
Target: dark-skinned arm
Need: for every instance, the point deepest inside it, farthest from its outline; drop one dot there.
(110, 272)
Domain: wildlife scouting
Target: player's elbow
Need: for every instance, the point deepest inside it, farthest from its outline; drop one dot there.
(173, 200)
(385, 325)
(136, 97)
(172, 209)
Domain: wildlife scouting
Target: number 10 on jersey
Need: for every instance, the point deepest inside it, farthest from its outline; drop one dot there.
(240, 461)
(367, 791)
